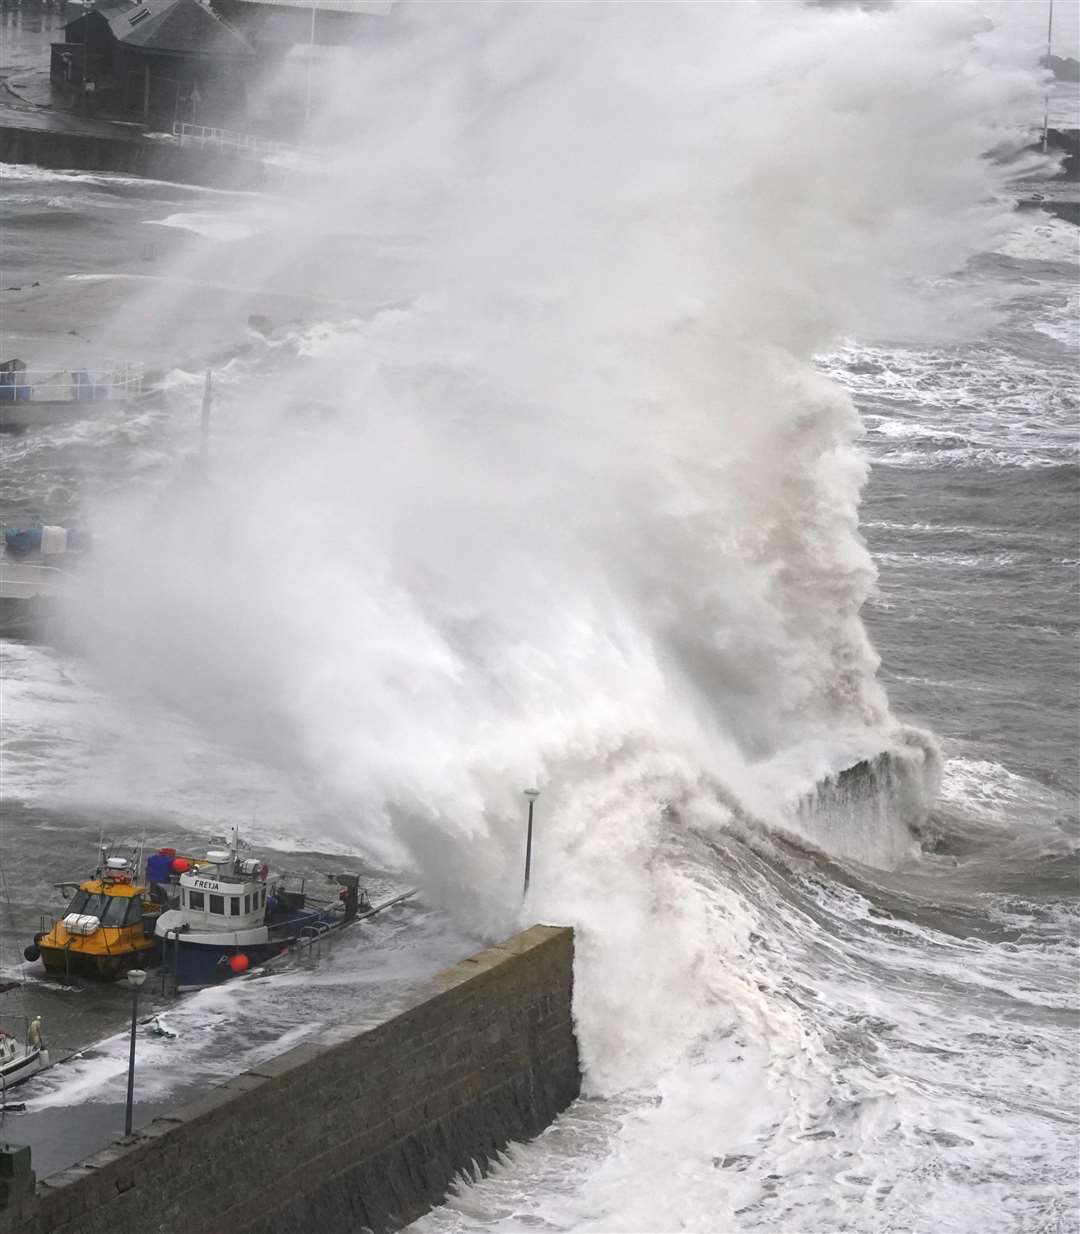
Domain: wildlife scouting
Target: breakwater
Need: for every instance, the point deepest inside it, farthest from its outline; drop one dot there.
(1068, 142)
(362, 1128)
(74, 150)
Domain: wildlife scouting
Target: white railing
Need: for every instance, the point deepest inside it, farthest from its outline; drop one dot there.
(244, 144)
(312, 937)
(71, 385)
(364, 8)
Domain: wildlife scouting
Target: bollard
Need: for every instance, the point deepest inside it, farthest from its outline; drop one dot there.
(16, 1186)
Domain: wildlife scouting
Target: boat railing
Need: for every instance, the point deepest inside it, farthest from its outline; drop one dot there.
(311, 940)
(25, 579)
(110, 382)
(247, 145)
(33, 567)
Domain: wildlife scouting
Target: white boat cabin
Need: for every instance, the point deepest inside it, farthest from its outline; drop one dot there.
(9, 1047)
(224, 894)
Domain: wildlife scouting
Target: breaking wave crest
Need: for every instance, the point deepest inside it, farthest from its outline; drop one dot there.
(583, 490)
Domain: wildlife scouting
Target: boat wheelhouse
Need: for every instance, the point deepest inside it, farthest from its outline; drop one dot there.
(108, 926)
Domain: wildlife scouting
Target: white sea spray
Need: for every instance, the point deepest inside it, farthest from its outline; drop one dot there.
(578, 510)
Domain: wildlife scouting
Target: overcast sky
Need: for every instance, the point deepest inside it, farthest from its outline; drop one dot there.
(1028, 19)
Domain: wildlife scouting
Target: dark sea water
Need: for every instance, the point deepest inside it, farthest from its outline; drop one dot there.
(906, 1038)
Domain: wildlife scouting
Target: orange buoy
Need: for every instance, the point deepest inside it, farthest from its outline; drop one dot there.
(239, 963)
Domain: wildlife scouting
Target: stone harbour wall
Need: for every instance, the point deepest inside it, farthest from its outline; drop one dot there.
(362, 1128)
(61, 149)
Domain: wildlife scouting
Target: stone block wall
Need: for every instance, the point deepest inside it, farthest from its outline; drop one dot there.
(362, 1128)
(62, 149)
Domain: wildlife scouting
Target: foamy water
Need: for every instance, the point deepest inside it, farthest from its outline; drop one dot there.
(576, 502)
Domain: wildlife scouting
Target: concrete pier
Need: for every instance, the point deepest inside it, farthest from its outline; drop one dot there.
(362, 1128)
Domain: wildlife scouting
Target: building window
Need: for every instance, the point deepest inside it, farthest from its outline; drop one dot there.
(217, 905)
(196, 900)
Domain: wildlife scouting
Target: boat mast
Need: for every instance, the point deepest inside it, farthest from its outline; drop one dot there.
(1049, 45)
(19, 986)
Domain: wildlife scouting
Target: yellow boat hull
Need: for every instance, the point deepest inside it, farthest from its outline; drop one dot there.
(106, 961)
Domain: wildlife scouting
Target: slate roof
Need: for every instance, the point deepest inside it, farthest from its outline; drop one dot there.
(359, 8)
(183, 26)
(288, 22)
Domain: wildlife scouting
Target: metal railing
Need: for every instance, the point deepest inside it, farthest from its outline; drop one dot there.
(244, 144)
(311, 939)
(72, 385)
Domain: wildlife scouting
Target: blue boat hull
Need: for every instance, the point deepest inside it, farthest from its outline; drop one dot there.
(198, 964)
(202, 964)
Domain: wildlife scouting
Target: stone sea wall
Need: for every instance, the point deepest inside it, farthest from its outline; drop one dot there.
(362, 1128)
(59, 149)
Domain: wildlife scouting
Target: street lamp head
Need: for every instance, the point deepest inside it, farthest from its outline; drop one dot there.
(532, 793)
(135, 977)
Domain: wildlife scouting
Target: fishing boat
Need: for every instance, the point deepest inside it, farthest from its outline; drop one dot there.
(20, 1062)
(36, 565)
(22, 1040)
(108, 927)
(33, 397)
(229, 918)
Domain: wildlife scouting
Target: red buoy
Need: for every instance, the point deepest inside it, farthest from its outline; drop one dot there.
(239, 963)
(180, 865)
(166, 852)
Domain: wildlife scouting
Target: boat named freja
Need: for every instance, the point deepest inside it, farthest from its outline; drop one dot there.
(229, 919)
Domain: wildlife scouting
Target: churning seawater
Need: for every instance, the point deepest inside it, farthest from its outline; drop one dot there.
(548, 472)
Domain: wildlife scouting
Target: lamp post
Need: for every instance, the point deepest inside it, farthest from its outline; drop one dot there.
(135, 978)
(1049, 51)
(207, 400)
(310, 57)
(531, 794)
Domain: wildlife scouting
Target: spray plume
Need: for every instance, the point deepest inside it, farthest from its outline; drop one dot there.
(577, 510)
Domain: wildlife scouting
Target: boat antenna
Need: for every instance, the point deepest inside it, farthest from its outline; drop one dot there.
(1049, 45)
